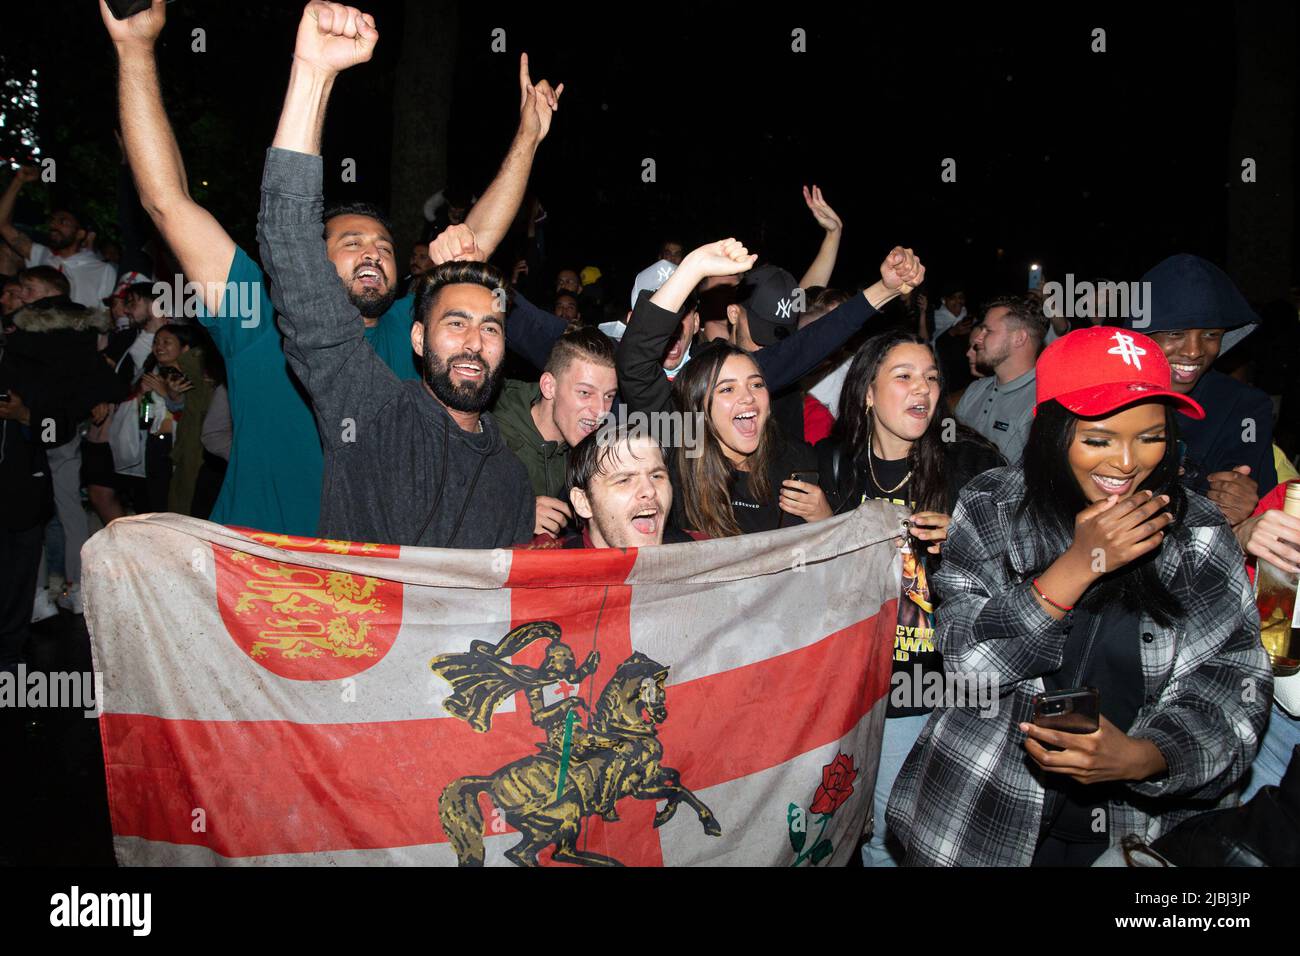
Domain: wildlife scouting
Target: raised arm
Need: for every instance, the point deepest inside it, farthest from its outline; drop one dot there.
(530, 331)
(641, 379)
(202, 247)
(496, 209)
(819, 273)
(324, 337)
(790, 359)
(17, 241)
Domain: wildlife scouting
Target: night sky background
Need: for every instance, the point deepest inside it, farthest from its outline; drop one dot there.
(1099, 164)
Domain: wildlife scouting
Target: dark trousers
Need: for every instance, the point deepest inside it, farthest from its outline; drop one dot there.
(208, 485)
(149, 494)
(1054, 851)
(20, 556)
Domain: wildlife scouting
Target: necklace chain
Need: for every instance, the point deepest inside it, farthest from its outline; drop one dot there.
(871, 469)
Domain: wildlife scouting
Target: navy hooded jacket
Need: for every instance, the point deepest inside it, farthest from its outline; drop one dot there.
(1187, 292)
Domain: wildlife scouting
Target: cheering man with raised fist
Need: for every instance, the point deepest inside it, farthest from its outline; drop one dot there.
(406, 462)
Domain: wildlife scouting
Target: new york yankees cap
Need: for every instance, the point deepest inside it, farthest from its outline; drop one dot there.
(769, 295)
(1094, 372)
(651, 278)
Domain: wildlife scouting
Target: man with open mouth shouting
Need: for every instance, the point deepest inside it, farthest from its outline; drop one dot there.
(273, 481)
(621, 493)
(406, 462)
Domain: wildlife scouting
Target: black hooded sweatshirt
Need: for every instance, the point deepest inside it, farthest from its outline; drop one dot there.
(1187, 292)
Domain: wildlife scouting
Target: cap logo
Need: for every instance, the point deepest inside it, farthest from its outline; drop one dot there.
(783, 308)
(1128, 350)
(1140, 387)
(664, 273)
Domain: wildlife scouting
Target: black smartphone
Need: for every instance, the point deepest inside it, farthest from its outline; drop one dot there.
(809, 476)
(121, 9)
(1076, 710)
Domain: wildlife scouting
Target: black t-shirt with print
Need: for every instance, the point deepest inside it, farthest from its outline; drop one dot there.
(753, 516)
(916, 682)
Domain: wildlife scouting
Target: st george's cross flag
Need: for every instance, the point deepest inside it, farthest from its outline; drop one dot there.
(272, 700)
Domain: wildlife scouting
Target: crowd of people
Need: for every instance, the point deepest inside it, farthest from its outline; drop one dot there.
(1086, 494)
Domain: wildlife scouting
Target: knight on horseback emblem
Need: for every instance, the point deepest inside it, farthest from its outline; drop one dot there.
(579, 771)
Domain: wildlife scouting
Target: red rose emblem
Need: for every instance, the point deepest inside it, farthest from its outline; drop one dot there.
(836, 785)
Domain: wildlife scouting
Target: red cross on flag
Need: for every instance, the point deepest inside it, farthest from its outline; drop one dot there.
(302, 701)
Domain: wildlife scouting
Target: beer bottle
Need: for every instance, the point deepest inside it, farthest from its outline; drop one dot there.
(147, 411)
(1275, 596)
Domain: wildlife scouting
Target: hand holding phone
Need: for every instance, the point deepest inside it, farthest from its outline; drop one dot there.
(121, 9)
(1098, 756)
(803, 497)
(1073, 711)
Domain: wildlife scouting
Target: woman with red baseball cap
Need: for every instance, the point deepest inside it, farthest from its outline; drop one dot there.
(1087, 566)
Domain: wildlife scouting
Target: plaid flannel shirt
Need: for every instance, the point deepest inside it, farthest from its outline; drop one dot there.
(970, 795)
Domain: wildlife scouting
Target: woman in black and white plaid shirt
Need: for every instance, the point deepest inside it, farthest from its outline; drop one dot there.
(1088, 565)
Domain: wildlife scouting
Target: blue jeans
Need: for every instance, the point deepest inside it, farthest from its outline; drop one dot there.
(900, 735)
(1281, 735)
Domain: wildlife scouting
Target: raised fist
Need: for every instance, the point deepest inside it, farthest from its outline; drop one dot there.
(902, 270)
(141, 29)
(27, 174)
(455, 244)
(726, 257)
(332, 37)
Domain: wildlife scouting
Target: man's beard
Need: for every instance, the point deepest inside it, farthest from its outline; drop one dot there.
(372, 303)
(988, 362)
(61, 243)
(468, 397)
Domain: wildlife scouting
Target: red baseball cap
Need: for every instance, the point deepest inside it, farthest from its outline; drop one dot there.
(1093, 372)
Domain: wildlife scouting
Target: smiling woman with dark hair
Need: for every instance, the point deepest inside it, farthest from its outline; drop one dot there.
(1088, 566)
(889, 444)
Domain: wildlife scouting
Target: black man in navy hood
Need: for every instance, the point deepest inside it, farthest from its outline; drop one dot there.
(1196, 313)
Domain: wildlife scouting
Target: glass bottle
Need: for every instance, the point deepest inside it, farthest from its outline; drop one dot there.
(1275, 596)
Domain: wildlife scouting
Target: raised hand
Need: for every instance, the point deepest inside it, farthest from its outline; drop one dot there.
(332, 37)
(902, 271)
(455, 244)
(826, 217)
(537, 103)
(142, 29)
(726, 257)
